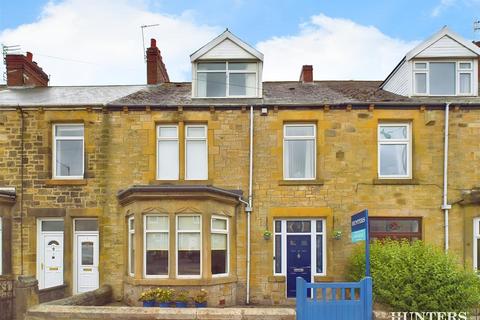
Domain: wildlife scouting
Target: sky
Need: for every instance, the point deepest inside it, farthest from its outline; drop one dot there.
(99, 42)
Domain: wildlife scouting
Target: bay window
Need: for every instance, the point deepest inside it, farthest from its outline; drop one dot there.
(299, 151)
(167, 152)
(196, 154)
(131, 246)
(443, 78)
(226, 79)
(156, 245)
(189, 245)
(1, 247)
(476, 244)
(68, 151)
(394, 150)
(220, 243)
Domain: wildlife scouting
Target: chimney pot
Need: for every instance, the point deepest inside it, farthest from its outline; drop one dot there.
(29, 56)
(153, 43)
(306, 76)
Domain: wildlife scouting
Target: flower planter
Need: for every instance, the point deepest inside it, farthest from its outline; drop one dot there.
(149, 304)
(200, 304)
(180, 304)
(164, 304)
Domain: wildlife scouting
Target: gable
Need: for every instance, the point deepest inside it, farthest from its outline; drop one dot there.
(446, 47)
(227, 49)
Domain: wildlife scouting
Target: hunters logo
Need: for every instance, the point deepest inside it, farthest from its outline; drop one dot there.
(429, 315)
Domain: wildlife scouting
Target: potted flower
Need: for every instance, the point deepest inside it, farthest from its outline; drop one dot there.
(181, 299)
(200, 299)
(267, 235)
(164, 297)
(337, 234)
(148, 298)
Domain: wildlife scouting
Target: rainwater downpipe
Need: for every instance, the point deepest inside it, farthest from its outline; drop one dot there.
(445, 206)
(248, 205)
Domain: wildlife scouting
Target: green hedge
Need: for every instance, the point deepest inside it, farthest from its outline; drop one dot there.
(417, 277)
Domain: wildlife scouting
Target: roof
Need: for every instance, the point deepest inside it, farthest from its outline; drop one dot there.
(222, 37)
(174, 94)
(64, 96)
(445, 31)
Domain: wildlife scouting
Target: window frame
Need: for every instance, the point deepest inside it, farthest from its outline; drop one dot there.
(387, 218)
(145, 231)
(158, 139)
(227, 78)
(177, 232)
(54, 150)
(131, 232)
(458, 72)
(407, 141)
(313, 244)
(224, 232)
(476, 236)
(187, 139)
(300, 138)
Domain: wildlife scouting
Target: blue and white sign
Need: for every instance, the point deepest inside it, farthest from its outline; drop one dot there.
(359, 226)
(360, 233)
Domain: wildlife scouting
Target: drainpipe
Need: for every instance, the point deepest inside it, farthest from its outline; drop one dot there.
(445, 206)
(248, 205)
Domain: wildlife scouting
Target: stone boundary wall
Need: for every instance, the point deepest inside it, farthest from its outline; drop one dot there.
(99, 297)
(48, 312)
(51, 294)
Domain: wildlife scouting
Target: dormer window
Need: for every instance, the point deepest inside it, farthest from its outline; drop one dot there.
(227, 67)
(226, 79)
(443, 78)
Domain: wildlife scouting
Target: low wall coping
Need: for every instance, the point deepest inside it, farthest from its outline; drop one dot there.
(119, 313)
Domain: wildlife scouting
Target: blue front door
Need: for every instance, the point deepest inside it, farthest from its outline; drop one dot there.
(299, 261)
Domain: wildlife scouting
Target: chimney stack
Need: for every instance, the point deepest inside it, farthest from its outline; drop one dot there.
(156, 70)
(23, 71)
(307, 74)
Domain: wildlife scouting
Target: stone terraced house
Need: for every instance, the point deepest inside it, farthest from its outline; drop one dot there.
(176, 183)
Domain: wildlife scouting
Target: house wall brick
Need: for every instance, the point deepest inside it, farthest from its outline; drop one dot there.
(121, 152)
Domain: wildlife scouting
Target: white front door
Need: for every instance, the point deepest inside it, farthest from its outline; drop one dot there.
(50, 253)
(87, 262)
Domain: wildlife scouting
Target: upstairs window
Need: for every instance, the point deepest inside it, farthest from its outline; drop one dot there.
(167, 152)
(299, 151)
(443, 78)
(226, 79)
(196, 153)
(394, 150)
(68, 151)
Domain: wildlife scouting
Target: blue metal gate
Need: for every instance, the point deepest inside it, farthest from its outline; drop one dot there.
(335, 300)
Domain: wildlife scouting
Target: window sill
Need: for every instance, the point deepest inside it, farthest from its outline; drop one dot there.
(66, 182)
(181, 182)
(180, 282)
(316, 182)
(378, 181)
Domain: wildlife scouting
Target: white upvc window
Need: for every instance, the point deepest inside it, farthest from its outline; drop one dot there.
(220, 253)
(394, 151)
(68, 151)
(443, 78)
(196, 152)
(476, 243)
(156, 244)
(189, 246)
(315, 229)
(226, 79)
(167, 152)
(131, 246)
(1, 247)
(299, 151)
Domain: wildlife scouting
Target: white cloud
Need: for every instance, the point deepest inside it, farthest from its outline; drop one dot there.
(337, 49)
(442, 6)
(107, 35)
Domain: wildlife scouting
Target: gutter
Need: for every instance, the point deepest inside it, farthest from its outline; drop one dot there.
(445, 206)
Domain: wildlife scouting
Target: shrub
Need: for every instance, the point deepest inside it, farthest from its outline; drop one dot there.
(417, 277)
(148, 295)
(164, 295)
